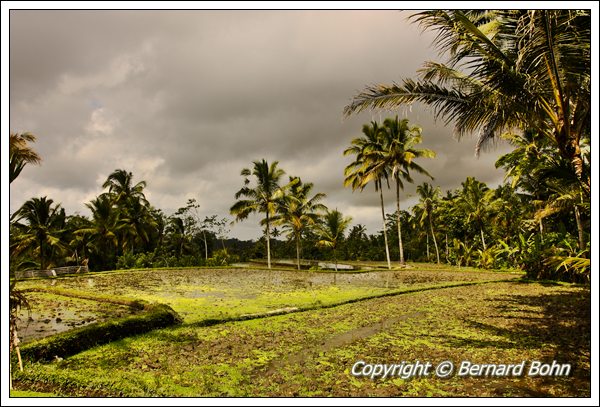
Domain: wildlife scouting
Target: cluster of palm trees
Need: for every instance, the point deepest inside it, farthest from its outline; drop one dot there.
(386, 152)
(123, 225)
(292, 206)
(506, 71)
(523, 75)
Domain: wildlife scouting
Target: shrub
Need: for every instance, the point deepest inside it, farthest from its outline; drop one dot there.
(221, 258)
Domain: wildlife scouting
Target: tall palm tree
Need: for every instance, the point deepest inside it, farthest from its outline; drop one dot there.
(298, 211)
(400, 151)
(331, 231)
(428, 200)
(262, 198)
(21, 153)
(43, 228)
(369, 165)
(506, 70)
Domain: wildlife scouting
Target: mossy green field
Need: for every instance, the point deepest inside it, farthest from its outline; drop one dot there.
(496, 319)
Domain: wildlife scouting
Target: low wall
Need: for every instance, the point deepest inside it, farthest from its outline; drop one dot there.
(57, 271)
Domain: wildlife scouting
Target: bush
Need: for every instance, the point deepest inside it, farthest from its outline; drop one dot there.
(545, 258)
(221, 258)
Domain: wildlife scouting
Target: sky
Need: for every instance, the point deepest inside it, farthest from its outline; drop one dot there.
(186, 99)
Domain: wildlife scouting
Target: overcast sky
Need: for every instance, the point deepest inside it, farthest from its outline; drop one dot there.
(186, 99)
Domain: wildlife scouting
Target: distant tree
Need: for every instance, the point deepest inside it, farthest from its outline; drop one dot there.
(299, 211)
(428, 201)
(369, 165)
(332, 230)
(42, 229)
(134, 217)
(474, 204)
(102, 230)
(262, 198)
(399, 154)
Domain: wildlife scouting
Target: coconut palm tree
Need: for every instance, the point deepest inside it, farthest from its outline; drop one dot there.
(137, 224)
(21, 153)
(177, 229)
(473, 202)
(506, 70)
(331, 231)
(120, 187)
(369, 165)
(132, 208)
(103, 228)
(428, 201)
(298, 211)
(400, 151)
(262, 198)
(41, 232)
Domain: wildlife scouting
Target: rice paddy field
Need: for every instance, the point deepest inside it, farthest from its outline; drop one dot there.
(258, 333)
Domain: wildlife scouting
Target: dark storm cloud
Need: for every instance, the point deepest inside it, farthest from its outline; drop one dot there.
(185, 99)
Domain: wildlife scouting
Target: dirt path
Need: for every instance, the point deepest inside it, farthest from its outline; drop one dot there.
(337, 341)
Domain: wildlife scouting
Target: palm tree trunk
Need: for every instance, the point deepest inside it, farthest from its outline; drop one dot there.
(334, 261)
(579, 228)
(427, 239)
(447, 250)
(482, 238)
(268, 243)
(387, 249)
(437, 252)
(400, 247)
(205, 244)
(42, 258)
(298, 250)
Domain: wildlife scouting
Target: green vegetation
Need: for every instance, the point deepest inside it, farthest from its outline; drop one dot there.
(310, 353)
(27, 393)
(222, 294)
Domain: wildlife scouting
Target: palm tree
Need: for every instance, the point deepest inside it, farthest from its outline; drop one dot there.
(133, 214)
(177, 229)
(103, 228)
(368, 166)
(137, 223)
(331, 231)
(428, 201)
(506, 70)
(298, 211)
(264, 197)
(473, 202)
(120, 186)
(565, 194)
(42, 231)
(399, 154)
(21, 153)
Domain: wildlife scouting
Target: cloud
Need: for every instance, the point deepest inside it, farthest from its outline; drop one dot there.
(186, 99)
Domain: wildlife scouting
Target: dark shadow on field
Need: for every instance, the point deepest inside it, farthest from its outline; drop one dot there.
(559, 323)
